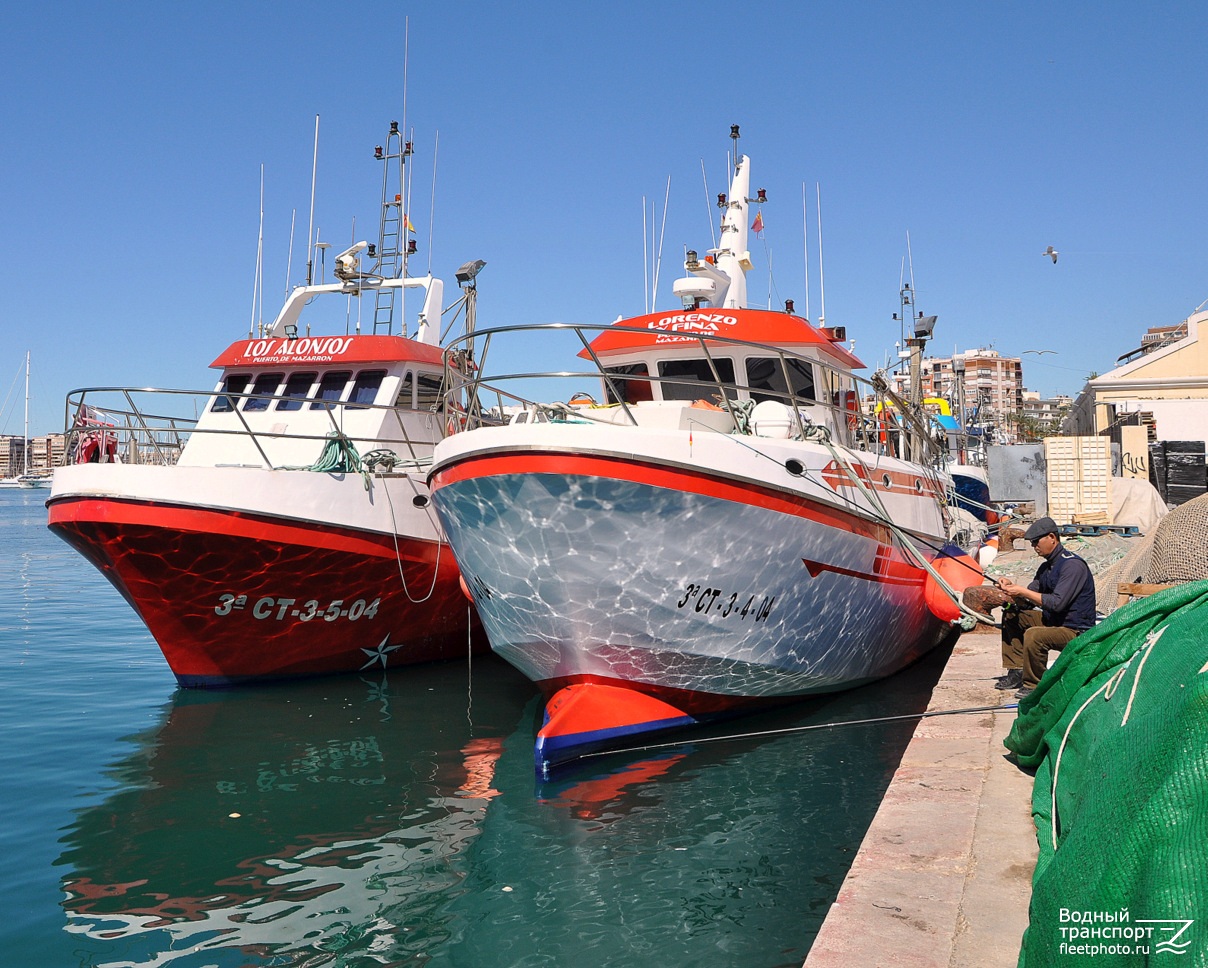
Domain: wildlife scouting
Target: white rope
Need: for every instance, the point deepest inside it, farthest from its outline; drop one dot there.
(903, 537)
(398, 557)
(1111, 683)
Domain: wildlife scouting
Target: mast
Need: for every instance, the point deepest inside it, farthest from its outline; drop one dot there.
(393, 243)
(722, 279)
(917, 330)
(25, 440)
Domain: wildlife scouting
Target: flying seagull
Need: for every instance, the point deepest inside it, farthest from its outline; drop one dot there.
(1051, 253)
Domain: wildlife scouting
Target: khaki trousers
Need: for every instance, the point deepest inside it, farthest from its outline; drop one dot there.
(1026, 643)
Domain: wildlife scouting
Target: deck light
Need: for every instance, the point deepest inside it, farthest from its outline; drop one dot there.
(923, 326)
(468, 271)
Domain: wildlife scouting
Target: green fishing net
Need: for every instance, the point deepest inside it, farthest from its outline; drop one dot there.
(1117, 732)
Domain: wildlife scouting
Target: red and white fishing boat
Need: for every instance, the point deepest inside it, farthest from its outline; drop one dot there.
(279, 526)
(727, 529)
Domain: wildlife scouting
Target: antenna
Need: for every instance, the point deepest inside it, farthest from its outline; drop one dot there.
(406, 54)
(314, 168)
(251, 327)
(646, 240)
(805, 233)
(708, 206)
(821, 279)
(432, 203)
(910, 259)
(654, 295)
(348, 299)
(406, 186)
(289, 261)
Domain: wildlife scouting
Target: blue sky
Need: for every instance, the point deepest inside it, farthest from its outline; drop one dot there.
(133, 135)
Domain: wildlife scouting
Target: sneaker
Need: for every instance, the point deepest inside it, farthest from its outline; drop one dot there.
(1023, 692)
(1012, 680)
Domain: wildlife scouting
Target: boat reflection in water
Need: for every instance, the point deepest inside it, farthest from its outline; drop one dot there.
(394, 821)
(294, 820)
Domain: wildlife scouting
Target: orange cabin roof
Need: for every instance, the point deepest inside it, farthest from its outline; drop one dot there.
(324, 350)
(685, 327)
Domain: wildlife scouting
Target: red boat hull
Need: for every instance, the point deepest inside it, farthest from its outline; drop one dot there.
(235, 597)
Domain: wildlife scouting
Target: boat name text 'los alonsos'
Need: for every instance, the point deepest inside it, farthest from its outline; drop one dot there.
(307, 348)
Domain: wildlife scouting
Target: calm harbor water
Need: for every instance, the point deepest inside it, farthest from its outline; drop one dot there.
(390, 820)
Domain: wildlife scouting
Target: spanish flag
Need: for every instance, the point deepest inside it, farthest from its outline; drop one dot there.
(407, 224)
(757, 225)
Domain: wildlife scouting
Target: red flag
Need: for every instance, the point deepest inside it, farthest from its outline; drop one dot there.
(757, 225)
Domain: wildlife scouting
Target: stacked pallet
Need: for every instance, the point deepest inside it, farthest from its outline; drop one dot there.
(1078, 475)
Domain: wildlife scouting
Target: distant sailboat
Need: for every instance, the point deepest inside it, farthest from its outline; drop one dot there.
(25, 479)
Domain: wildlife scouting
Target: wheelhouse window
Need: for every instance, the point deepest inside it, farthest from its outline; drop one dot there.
(365, 388)
(297, 386)
(632, 391)
(768, 374)
(265, 385)
(428, 391)
(331, 388)
(406, 392)
(235, 383)
(686, 373)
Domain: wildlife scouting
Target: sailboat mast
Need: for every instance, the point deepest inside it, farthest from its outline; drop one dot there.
(25, 439)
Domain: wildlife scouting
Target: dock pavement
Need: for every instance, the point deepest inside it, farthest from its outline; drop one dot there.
(943, 877)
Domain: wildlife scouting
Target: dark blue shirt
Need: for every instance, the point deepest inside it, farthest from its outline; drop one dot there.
(1067, 590)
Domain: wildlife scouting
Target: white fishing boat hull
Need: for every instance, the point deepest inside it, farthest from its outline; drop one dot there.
(694, 568)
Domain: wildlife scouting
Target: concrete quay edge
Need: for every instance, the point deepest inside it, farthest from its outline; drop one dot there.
(943, 876)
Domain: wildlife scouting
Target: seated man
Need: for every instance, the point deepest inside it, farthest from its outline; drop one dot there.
(1064, 590)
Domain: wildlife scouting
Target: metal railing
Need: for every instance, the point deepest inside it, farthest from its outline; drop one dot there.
(129, 422)
(861, 413)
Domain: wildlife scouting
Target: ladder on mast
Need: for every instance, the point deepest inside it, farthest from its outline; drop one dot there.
(393, 246)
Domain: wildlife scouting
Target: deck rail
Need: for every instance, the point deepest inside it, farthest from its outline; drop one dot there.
(863, 414)
(152, 425)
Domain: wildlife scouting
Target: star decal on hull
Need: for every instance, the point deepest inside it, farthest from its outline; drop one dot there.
(379, 653)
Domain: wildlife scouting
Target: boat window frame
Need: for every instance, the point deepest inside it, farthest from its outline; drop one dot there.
(227, 404)
(633, 390)
(323, 402)
(406, 389)
(259, 395)
(293, 400)
(713, 375)
(355, 404)
(429, 390)
(781, 367)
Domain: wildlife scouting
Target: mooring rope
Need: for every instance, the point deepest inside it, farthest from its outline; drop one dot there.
(692, 741)
(880, 514)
